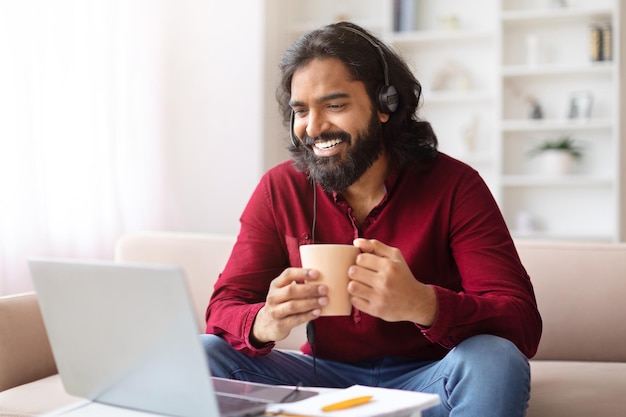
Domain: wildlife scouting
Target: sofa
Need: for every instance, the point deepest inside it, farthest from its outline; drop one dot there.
(579, 370)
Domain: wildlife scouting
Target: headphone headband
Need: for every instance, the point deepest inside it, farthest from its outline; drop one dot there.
(387, 98)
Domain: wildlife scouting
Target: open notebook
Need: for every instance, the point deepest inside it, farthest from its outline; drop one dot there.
(124, 337)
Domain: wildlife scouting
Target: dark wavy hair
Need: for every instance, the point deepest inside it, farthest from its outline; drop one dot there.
(406, 137)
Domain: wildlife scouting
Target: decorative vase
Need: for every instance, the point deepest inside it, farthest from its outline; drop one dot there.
(556, 162)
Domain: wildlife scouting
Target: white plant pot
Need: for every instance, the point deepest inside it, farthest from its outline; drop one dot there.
(556, 162)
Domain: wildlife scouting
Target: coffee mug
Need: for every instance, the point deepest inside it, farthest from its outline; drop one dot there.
(332, 261)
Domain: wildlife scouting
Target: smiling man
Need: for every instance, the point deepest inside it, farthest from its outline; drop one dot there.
(338, 126)
(440, 300)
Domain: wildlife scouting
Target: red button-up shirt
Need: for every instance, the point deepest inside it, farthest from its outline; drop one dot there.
(446, 224)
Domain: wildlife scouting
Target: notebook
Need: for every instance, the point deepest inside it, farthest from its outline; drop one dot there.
(124, 337)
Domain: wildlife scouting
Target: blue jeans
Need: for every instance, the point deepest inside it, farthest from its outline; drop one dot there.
(481, 377)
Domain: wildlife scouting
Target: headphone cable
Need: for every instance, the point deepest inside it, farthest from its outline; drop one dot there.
(310, 336)
(314, 212)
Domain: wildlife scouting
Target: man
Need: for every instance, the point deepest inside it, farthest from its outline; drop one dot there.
(441, 302)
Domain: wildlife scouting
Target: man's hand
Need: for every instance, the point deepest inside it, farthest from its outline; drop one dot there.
(293, 298)
(383, 286)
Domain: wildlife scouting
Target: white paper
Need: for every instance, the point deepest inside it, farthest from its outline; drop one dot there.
(384, 402)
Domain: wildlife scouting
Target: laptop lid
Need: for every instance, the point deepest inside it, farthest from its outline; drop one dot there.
(125, 335)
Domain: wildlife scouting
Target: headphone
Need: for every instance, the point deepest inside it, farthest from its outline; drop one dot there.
(387, 98)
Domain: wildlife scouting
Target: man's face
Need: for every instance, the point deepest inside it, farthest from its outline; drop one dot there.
(336, 122)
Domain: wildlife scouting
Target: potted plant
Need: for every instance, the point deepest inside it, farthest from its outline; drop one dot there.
(558, 155)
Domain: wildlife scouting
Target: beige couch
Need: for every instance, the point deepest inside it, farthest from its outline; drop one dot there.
(580, 369)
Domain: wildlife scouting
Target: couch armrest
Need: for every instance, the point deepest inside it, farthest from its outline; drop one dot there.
(25, 353)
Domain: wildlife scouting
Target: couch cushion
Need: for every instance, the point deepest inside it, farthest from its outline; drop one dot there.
(577, 389)
(201, 255)
(579, 298)
(35, 398)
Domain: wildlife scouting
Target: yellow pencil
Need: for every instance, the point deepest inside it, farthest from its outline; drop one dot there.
(353, 402)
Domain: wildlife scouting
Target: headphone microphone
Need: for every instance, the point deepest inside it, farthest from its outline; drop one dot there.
(294, 140)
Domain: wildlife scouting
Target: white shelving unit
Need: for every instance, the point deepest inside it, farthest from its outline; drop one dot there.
(546, 56)
(480, 63)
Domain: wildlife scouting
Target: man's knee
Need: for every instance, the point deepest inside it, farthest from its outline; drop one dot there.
(492, 354)
(213, 344)
(487, 375)
(221, 355)
(485, 346)
(216, 348)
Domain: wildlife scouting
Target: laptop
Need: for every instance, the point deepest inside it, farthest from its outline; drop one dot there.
(124, 337)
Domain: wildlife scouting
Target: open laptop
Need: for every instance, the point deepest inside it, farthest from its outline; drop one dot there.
(124, 337)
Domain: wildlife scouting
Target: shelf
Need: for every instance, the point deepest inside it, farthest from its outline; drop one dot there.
(591, 68)
(528, 125)
(555, 15)
(541, 235)
(429, 36)
(298, 28)
(554, 181)
(446, 97)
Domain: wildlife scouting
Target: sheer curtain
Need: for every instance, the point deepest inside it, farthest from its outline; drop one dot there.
(81, 128)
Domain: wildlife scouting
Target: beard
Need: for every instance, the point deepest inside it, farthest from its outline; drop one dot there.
(336, 173)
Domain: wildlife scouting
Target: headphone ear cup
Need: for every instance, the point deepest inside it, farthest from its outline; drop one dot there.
(388, 99)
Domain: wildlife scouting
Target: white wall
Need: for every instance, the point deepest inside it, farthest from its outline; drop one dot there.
(214, 111)
(277, 39)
